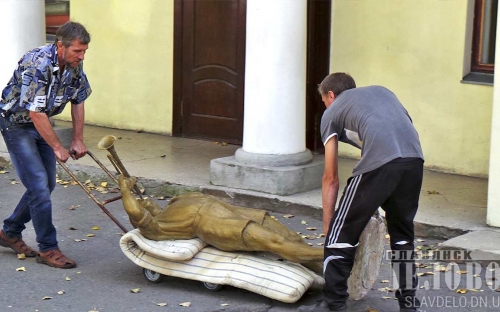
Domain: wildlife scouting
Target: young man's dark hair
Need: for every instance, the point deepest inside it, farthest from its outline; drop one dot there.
(337, 83)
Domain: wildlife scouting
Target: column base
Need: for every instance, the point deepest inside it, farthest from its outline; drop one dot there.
(283, 180)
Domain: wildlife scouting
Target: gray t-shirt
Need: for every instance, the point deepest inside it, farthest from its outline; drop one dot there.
(382, 123)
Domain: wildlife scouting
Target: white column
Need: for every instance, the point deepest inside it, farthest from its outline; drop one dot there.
(22, 27)
(275, 83)
(274, 158)
(493, 208)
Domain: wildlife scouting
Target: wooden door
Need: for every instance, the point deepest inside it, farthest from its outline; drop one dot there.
(209, 58)
(318, 62)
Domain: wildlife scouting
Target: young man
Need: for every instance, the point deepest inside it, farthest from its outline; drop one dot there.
(388, 175)
(46, 79)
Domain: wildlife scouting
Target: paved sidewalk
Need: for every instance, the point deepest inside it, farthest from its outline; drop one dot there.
(451, 206)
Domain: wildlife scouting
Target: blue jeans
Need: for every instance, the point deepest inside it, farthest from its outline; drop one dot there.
(35, 164)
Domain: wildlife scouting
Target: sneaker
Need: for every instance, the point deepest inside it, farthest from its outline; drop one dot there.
(409, 304)
(321, 306)
(56, 259)
(17, 244)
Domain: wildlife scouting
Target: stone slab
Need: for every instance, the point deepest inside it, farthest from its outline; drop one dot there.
(228, 172)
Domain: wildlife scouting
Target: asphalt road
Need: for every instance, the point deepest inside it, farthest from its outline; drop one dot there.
(104, 277)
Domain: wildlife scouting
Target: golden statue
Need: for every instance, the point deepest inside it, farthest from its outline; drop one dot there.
(224, 226)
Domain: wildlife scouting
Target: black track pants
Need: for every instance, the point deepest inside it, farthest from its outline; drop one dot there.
(396, 188)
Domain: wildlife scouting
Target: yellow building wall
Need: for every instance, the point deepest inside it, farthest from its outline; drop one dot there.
(129, 63)
(416, 49)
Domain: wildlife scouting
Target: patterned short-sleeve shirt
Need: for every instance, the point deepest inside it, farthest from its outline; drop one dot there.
(37, 85)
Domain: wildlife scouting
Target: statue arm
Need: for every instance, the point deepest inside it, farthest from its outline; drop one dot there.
(139, 217)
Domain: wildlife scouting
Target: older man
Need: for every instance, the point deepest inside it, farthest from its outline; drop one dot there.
(45, 80)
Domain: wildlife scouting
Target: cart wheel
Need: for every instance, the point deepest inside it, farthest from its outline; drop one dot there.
(212, 286)
(152, 276)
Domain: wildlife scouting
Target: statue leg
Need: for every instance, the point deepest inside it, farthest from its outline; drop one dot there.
(257, 237)
(281, 229)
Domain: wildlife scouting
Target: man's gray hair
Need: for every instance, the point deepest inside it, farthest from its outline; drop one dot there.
(70, 32)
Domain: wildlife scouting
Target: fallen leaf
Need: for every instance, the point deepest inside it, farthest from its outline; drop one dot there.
(104, 184)
(185, 304)
(371, 310)
(489, 284)
(163, 155)
(21, 269)
(96, 228)
(319, 244)
(73, 229)
(223, 144)
(425, 273)
(311, 229)
(321, 235)
(387, 236)
(386, 289)
(3, 172)
(476, 275)
(224, 304)
(135, 290)
(273, 217)
(303, 222)
(90, 235)
(46, 298)
(87, 182)
(60, 292)
(420, 240)
(21, 256)
(433, 192)
(14, 182)
(461, 291)
(164, 304)
(498, 289)
(441, 268)
(67, 278)
(462, 272)
(473, 290)
(385, 281)
(385, 297)
(288, 216)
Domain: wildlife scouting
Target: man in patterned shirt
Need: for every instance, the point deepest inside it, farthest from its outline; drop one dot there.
(45, 80)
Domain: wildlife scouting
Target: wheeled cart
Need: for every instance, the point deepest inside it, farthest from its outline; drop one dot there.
(261, 273)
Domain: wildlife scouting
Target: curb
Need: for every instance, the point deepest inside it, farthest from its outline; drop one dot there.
(158, 187)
